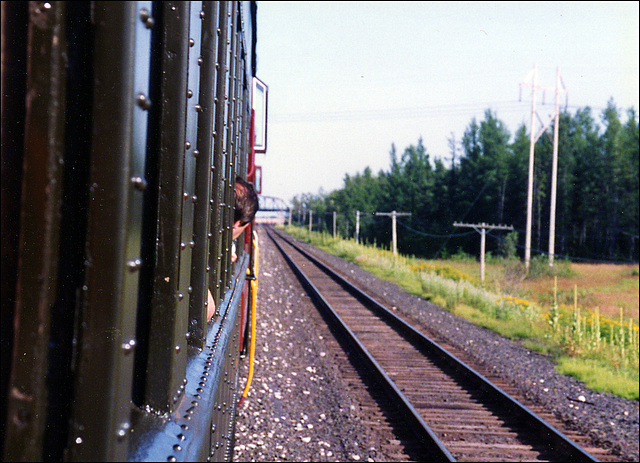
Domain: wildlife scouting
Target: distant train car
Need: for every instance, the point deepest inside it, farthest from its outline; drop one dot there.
(124, 126)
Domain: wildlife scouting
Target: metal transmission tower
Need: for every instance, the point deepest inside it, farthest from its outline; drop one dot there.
(533, 75)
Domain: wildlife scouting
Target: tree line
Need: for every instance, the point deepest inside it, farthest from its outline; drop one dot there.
(485, 179)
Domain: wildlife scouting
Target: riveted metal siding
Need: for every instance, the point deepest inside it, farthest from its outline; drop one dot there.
(192, 153)
(163, 314)
(200, 262)
(108, 255)
(39, 235)
(225, 208)
(100, 421)
(215, 247)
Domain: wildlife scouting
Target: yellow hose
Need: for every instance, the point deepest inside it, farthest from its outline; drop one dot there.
(254, 294)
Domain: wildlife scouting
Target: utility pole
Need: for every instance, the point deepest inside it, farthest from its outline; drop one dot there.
(334, 225)
(532, 141)
(554, 170)
(482, 228)
(394, 237)
(357, 226)
(310, 220)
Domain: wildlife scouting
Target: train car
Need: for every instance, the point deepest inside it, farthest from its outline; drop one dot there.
(124, 126)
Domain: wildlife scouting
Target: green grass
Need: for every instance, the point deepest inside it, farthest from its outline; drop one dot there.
(563, 334)
(599, 376)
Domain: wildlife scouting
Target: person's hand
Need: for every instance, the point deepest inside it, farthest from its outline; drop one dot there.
(211, 305)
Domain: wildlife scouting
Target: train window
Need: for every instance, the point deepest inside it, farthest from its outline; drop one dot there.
(259, 105)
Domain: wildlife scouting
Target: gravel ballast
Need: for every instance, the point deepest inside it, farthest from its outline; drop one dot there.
(299, 407)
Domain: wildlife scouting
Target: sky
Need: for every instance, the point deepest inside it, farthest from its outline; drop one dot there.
(347, 80)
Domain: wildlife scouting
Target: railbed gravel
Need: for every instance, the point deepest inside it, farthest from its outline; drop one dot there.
(298, 407)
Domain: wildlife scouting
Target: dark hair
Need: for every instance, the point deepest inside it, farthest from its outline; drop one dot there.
(246, 202)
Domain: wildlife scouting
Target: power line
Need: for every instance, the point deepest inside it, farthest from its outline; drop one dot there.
(461, 109)
(395, 113)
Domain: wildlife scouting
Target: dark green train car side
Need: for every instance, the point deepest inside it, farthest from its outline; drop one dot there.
(124, 126)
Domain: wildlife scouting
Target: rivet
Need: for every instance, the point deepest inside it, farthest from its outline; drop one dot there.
(189, 93)
(198, 108)
(146, 18)
(185, 196)
(177, 447)
(183, 246)
(187, 145)
(196, 153)
(128, 346)
(134, 265)
(143, 101)
(200, 61)
(177, 349)
(192, 42)
(202, 15)
(144, 14)
(139, 183)
(194, 198)
(180, 296)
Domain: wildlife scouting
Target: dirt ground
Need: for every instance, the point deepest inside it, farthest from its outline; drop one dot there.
(606, 286)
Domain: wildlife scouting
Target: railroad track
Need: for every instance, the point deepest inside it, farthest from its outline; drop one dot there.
(443, 410)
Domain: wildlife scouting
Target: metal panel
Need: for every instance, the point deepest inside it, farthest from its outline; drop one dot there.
(219, 135)
(210, 395)
(100, 425)
(14, 53)
(226, 208)
(192, 152)
(201, 198)
(161, 364)
(39, 236)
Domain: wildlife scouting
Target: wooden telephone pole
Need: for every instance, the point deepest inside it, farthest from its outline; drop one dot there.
(532, 141)
(482, 228)
(394, 237)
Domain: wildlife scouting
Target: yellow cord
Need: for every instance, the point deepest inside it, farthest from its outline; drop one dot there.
(254, 294)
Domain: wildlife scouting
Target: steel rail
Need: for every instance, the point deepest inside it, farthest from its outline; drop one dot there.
(420, 428)
(556, 440)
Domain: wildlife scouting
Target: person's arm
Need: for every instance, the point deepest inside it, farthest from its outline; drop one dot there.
(211, 305)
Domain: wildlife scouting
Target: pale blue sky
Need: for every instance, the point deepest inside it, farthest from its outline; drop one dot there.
(348, 79)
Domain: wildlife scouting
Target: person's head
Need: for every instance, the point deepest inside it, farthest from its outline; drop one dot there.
(246, 206)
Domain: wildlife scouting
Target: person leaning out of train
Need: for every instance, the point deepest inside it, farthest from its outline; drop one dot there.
(245, 208)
